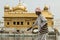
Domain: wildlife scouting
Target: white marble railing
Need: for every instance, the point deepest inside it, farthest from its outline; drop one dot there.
(23, 37)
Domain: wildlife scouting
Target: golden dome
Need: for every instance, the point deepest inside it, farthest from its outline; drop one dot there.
(20, 6)
(6, 6)
(46, 8)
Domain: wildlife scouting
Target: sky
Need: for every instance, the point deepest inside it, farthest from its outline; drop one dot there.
(54, 6)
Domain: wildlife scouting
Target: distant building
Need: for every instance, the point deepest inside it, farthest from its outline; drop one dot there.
(18, 17)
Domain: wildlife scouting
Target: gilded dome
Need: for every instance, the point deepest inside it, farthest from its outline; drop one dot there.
(6, 6)
(20, 6)
(46, 8)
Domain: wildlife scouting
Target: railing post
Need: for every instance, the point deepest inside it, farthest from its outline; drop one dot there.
(56, 34)
(33, 37)
(14, 36)
(23, 35)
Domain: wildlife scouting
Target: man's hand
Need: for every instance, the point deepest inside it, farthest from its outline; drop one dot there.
(29, 28)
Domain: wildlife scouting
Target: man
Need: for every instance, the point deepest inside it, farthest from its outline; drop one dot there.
(42, 25)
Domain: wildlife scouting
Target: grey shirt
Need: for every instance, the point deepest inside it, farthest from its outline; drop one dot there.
(39, 23)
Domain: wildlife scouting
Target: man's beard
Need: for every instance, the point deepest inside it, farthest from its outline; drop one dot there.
(38, 13)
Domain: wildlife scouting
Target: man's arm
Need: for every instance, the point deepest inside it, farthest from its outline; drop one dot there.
(35, 23)
(44, 20)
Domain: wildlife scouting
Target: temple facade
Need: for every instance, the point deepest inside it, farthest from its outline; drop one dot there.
(18, 17)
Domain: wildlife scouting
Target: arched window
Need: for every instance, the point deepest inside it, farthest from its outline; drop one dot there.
(27, 23)
(21, 23)
(33, 22)
(7, 23)
(14, 23)
(17, 23)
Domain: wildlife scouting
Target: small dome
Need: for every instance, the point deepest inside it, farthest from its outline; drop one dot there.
(46, 8)
(6, 6)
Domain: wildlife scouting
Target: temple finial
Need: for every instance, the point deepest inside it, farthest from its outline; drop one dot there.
(19, 1)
